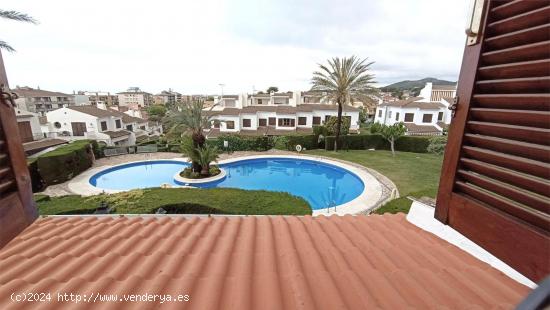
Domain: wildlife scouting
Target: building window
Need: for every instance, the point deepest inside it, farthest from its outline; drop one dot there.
(259, 101)
(103, 126)
(409, 117)
(427, 118)
(389, 114)
(230, 124)
(316, 120)
(262, 122)
(286, 122)
(327, 117)
(272, 121)
(216, 124)
(302, 121)
(397, 116)
(379, 113)
(247, 122)
(57, 125)
(130, 127)
(440, 116)
(118, 124)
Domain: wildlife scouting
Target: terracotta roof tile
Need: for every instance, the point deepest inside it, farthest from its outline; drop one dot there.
(279, 262)
(413, 128)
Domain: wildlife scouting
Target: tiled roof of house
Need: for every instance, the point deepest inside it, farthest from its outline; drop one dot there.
(413, 128)
(42, 144)
(117, 134)
(413, 102)
(31, 92)
(449, 99)
(443, 125)
(94, 111)
(265, 262)
(282, 109)
(128, 118)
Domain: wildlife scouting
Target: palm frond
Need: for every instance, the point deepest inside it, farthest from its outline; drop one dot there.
(6, 46)
(17, 16)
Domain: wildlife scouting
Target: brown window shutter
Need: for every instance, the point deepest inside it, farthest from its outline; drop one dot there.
(17, 208)
(495, 185)
(280, 121)
(292, 122)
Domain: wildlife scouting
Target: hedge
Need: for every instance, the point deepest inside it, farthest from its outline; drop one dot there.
(375, 141)
(65, 162)
(243, 143)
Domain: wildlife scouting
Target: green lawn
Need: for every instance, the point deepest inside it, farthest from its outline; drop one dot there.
(177, 200)
(414, 174)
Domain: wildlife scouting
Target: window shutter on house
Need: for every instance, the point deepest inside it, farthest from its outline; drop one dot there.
(17, 208)
(495, 186)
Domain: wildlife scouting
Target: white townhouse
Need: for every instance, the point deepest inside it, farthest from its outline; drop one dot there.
(427, 114)
(275, 113)
(90, 122)
(28, 124)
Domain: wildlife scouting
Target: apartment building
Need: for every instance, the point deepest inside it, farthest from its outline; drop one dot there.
(134, 98)
(41, 101)
(167, 97)
(427, 114)
(275, 113)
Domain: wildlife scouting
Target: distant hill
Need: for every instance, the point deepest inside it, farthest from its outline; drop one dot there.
(412, 85)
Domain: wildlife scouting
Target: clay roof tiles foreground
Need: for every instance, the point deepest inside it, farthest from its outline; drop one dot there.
(279, 262)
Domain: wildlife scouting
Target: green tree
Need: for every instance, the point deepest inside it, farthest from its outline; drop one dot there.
(207, 154)
(344, 80)
(272, 89)
(156, 112)
(14, 15)
(191, 119)
(392, 133)
(332, 124)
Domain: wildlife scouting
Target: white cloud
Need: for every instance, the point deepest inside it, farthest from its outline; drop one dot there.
(192, 46)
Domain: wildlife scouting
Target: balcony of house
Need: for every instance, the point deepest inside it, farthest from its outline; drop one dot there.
(280, 100)
(261, 100)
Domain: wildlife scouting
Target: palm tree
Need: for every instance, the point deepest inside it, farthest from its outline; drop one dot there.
(192, 119)
(14, 15)
(344, 80)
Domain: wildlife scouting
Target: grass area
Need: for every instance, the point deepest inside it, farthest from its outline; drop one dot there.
(177, 200)
(414, 174)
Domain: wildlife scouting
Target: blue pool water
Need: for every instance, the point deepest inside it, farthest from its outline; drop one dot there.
(322, 185)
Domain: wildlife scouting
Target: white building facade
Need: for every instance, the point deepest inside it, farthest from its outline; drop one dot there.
(428, 114)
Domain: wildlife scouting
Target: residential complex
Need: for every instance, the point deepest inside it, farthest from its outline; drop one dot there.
(428, 114)
(275, 113)
(134, 98)
(41, 101)
(96, 97)
(105, 125)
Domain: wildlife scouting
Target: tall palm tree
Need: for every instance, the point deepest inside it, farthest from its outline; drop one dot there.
(14, 15)
(191, 119)
(344, 80)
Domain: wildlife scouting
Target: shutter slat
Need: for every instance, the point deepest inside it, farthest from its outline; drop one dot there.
(4, 171)
(539, 203)
(518, 85)
(534, 51)
(512, 162)
(526, 20)
(515, 8)
(518, 148)
(514, 132)
(539, 119)
(528, 182)
(527, 214)
(520, 37)
(7, 186)
(539, 102)
(532, 68)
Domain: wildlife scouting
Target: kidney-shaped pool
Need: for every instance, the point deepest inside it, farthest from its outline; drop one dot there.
(321, 184)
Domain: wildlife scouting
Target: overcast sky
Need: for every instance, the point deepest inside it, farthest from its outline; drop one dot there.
(194, 45)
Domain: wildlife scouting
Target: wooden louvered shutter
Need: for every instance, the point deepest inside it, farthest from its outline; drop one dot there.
(495, 186)
(17, 208)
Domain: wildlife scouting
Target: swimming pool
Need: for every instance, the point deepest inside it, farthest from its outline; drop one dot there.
(322, 184)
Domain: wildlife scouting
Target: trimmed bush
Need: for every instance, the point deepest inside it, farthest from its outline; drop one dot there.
(309, 142)
(66, 162)
(437, 145)
(242, 143)
(375, 141)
